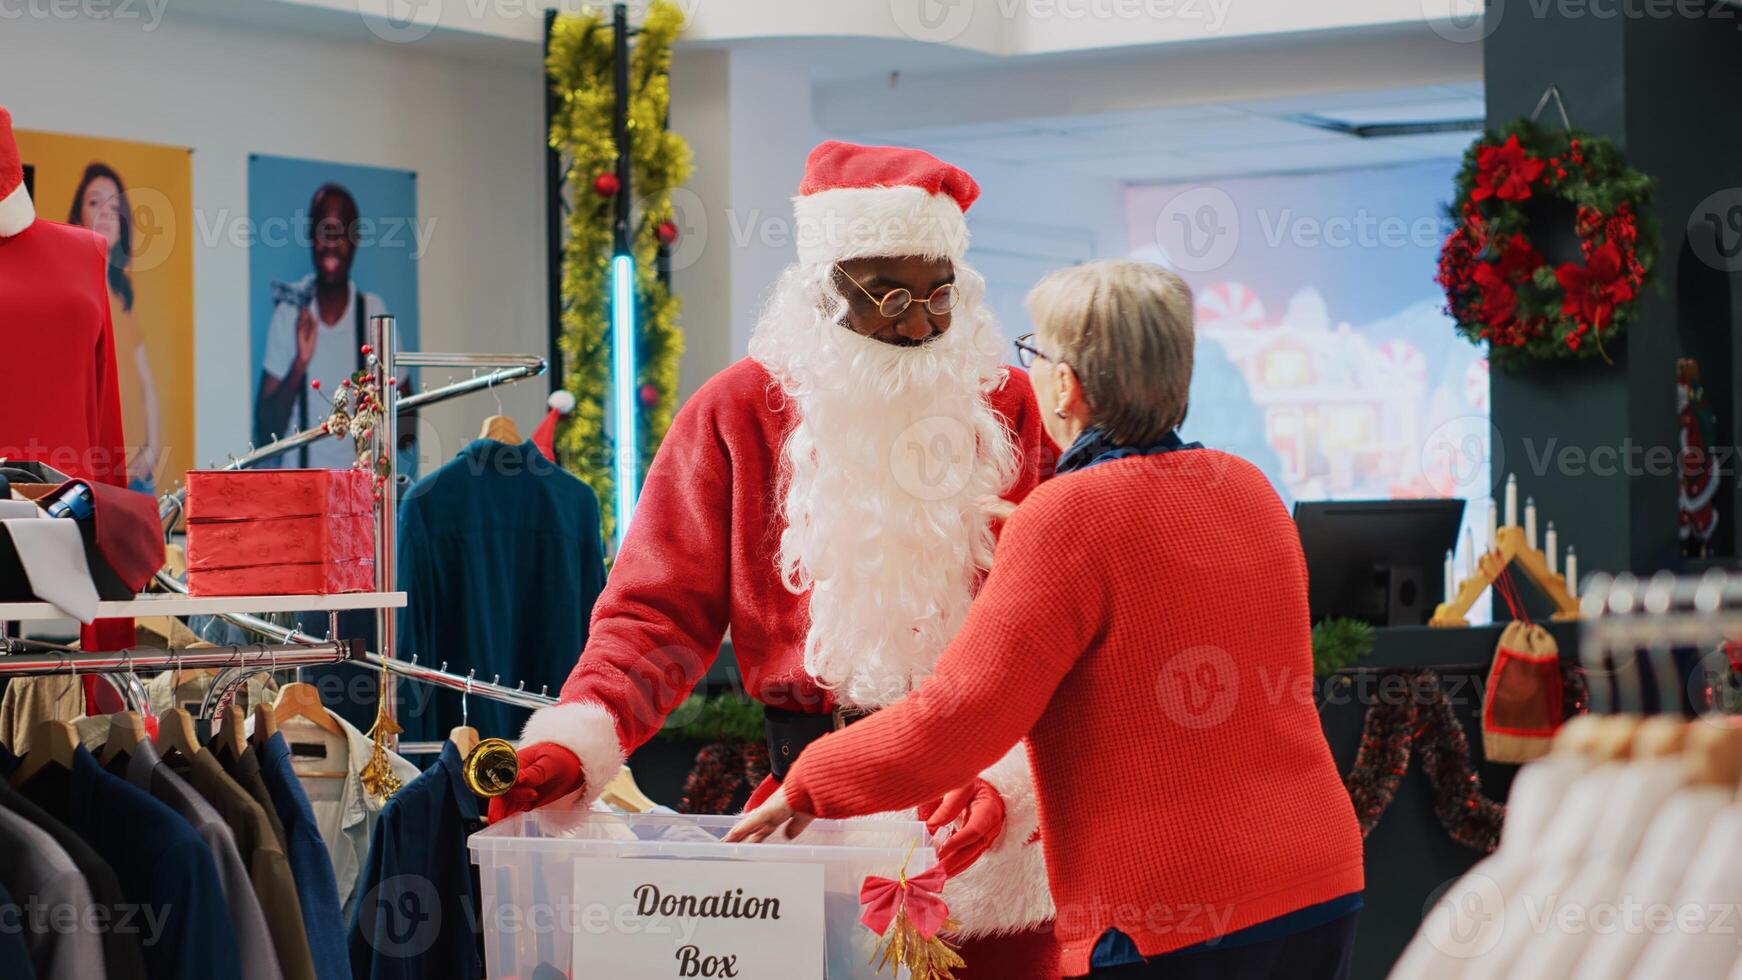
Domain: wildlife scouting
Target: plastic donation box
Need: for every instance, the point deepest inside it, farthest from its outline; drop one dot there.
(582, 895)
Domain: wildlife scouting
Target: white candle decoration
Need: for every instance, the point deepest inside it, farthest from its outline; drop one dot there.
(1572, 571)
(1550, 545)
(1493, 525)
(1511, 500)
(1530, 522)
(1451, 578)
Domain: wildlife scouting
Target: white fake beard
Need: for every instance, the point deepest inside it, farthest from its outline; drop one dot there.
(882, 478)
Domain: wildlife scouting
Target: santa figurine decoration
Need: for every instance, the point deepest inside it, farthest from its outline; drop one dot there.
(832, 499)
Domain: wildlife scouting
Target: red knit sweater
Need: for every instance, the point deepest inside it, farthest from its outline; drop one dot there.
(1145, 627)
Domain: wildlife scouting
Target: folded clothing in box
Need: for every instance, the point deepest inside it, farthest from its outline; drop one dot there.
(280, 532)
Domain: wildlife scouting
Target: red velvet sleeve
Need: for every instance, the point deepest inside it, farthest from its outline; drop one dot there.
(108, 445)
(658, 624)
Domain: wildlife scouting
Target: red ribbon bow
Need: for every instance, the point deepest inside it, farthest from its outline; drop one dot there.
(882, 899)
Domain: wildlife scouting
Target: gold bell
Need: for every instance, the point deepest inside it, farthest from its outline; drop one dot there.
(490, 767)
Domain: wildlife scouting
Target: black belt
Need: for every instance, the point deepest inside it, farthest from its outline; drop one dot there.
(790, 732)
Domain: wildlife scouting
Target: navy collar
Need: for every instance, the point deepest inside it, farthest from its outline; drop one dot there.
(453, 768)
(1094, 447)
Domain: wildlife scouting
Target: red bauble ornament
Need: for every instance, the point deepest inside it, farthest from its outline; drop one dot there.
(667, 232)
(606, 185)
(649, 396)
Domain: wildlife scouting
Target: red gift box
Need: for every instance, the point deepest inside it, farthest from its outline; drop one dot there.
(280, 532)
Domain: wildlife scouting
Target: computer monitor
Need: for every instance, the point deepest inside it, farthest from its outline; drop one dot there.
(1381, 561)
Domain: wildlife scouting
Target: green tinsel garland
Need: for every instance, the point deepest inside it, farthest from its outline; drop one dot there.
(580, 70)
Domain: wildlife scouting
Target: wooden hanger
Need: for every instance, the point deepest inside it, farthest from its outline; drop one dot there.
(52, 742)
(300, 700)
(265, 726)
(1577, 735)
(126, 731)
(1613, 741)
(1713, 753)
(622, 793)
(175, 733)
(1660, 737)
(465, 738)
(502, 429)
(231, 735)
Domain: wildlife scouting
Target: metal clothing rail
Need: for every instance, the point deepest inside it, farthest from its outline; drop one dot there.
(512, 368)
(260, 656)
(1676, 630)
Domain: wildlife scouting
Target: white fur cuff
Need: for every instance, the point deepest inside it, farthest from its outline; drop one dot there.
(16, 212)
(854, 222)
(1006, 890)
(585, 728)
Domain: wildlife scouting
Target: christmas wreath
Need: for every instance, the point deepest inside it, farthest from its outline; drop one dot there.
(1500, 288)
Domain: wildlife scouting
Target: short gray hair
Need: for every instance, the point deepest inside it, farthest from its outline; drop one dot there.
(1126, 329)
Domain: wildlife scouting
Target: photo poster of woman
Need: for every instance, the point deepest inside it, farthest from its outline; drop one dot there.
(334, 244)
(139, 197)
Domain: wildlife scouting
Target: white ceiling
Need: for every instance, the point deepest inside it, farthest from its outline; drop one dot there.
(1232, 139)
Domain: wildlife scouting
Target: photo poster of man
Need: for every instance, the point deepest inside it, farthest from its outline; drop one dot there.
(334, 244)
(139, 197)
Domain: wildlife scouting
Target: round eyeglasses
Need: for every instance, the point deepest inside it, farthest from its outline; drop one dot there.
(895, 302)
(1027, 353)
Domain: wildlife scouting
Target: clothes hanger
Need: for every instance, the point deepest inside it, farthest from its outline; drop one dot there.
(175, 733)
(126, 731)
(52, 742)
(464, 736)
(499, 426)
(622, 793)
(231, 735)
(265, 725)
(299, 699)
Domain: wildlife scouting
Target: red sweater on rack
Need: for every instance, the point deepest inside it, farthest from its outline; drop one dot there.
(1145, 627)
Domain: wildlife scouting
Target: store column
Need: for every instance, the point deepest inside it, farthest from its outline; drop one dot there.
(1596, 444)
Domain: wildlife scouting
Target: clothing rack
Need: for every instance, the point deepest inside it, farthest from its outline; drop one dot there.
(22, 660)
(1675, 626)
(385, 361)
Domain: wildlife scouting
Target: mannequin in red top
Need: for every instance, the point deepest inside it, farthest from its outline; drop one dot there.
(831, 499)
(65, 409)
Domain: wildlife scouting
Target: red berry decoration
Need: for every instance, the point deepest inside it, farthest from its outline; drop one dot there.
(649, 396)
(367, 350)
(315, 384)
(606, 185)
(667, 232)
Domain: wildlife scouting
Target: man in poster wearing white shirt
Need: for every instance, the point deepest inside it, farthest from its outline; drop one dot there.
(319, 324)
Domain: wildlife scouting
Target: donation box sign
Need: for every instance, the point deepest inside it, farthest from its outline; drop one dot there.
(661, 919)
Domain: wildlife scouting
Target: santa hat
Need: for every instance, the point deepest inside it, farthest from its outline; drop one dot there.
(16, 212)
(857, 201)
(544, 437)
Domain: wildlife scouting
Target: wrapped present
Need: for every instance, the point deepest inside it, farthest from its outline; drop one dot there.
(280, 532)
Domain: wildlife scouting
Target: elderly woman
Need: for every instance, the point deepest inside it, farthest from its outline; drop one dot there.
(1145, 628)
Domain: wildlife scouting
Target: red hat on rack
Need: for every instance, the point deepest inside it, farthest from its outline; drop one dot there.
(561, 403)
(858, 201)
(16, 212)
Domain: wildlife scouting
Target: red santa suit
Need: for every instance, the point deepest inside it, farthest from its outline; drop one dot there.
(704, 554)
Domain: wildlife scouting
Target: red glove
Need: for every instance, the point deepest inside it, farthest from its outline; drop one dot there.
(981, 810)
(547, 771)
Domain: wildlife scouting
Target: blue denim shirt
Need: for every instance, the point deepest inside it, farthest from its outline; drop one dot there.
(317, 891)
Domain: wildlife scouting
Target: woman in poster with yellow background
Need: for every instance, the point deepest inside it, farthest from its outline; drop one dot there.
(139, 197)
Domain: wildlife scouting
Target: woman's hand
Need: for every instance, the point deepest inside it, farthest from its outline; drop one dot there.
(981, 812)
(774, 815)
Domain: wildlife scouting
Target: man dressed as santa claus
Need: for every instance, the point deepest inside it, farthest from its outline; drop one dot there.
(831, 499)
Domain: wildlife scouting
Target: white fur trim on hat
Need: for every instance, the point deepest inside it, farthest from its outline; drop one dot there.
(16, 212)
(1006, 890)
(856, 222)
(585, 728)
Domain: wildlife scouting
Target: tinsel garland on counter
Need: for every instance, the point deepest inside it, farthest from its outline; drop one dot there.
(1424, 720)
(581, 78)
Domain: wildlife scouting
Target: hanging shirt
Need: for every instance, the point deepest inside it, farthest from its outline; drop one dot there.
(500, 557)
(34, 866)
(344, 811)
(163, 867)
(54, 316)
(316, 888)
(14, 954)
(258, 845)
(121, 953)
(420, 911)
(145, 769)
